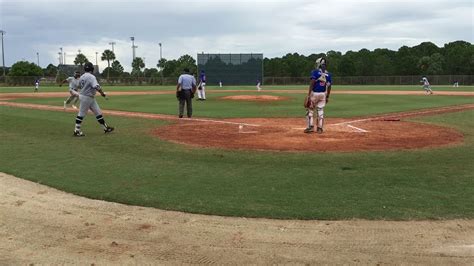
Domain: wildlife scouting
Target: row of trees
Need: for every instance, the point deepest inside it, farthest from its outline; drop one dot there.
(455, 58)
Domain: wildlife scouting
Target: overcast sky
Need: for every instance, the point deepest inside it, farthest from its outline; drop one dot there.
(274, 28)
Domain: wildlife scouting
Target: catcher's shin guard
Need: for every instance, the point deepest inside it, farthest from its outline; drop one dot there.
(320, 117)
(309, 117)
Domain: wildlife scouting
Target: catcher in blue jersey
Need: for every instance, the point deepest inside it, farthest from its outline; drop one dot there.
(318, 95)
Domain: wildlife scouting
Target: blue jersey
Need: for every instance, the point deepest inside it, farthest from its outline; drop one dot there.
(323, 79)
(202, 77)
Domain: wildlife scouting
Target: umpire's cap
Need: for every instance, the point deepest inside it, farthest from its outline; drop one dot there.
(89, 67)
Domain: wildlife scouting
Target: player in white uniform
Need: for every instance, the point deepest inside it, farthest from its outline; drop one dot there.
(89, 87)
(426, 85)
(258, 85)
(73, 89)
(202, 86)
(37, 84)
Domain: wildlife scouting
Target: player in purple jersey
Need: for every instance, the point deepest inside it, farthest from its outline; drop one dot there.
(37, 84)
(202, 86)
(319, 90)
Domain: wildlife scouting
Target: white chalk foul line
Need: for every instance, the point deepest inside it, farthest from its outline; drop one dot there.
(358, 129)
(221, 122)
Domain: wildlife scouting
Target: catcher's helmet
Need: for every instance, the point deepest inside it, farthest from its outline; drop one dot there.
(88, 67)
(320, 61)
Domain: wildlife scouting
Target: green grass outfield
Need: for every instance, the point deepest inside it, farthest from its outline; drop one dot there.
(131, 166)
(64, 88)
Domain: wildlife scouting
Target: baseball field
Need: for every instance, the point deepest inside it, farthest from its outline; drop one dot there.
(388, 153)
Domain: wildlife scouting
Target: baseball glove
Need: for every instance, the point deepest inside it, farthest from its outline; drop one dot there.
(308, 103)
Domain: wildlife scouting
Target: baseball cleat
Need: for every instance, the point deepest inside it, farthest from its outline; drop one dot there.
(319, 130)
(108, 129)
(309, 129)
(78, 133)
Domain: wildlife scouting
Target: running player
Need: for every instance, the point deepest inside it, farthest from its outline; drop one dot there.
(89, 87)
(319, 90)
(426, 85)
(73, 89)
(202, 86)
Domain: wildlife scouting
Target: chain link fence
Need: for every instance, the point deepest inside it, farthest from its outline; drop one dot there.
(464, 80)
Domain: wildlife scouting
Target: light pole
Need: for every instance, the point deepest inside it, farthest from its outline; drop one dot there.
(61, 57)
(3, 53)
(133, 46)
(38, 58)
(96, 63)
(161, 57)
(112, 43)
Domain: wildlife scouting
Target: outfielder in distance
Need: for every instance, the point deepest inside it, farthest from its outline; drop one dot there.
(89, 87)
(318, 95)
(73, 89)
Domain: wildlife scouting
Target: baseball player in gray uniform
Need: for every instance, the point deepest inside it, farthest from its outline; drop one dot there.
(89, 87)
(73, 89)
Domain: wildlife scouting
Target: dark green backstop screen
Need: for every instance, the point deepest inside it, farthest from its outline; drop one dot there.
(231, 69)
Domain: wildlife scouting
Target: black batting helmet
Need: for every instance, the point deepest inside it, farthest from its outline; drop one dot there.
(89, 67)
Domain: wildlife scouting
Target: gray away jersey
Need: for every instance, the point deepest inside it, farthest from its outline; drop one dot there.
(88, 84)
(73, 83)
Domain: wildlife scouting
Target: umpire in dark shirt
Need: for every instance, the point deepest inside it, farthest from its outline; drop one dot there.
(185, 92)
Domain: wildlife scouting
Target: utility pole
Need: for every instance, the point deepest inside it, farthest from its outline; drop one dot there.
(3, 53)
(133, 46)
(112, 43)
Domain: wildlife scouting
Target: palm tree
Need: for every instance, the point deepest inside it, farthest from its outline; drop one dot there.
(137, 65)
(108, 56)
(80, 59)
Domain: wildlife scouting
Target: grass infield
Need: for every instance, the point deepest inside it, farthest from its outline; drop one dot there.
(133, 167)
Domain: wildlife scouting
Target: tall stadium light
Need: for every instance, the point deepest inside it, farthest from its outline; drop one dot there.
(96, 63)
(38, 58)
(112, 43)
(3, 53)
(61, 57)
(161, 57)
(133, 46)
(161, 54)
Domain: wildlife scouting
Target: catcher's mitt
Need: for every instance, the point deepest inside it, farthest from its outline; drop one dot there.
(308, 103)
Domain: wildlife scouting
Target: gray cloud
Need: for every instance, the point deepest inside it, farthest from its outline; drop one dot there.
(273, 27)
